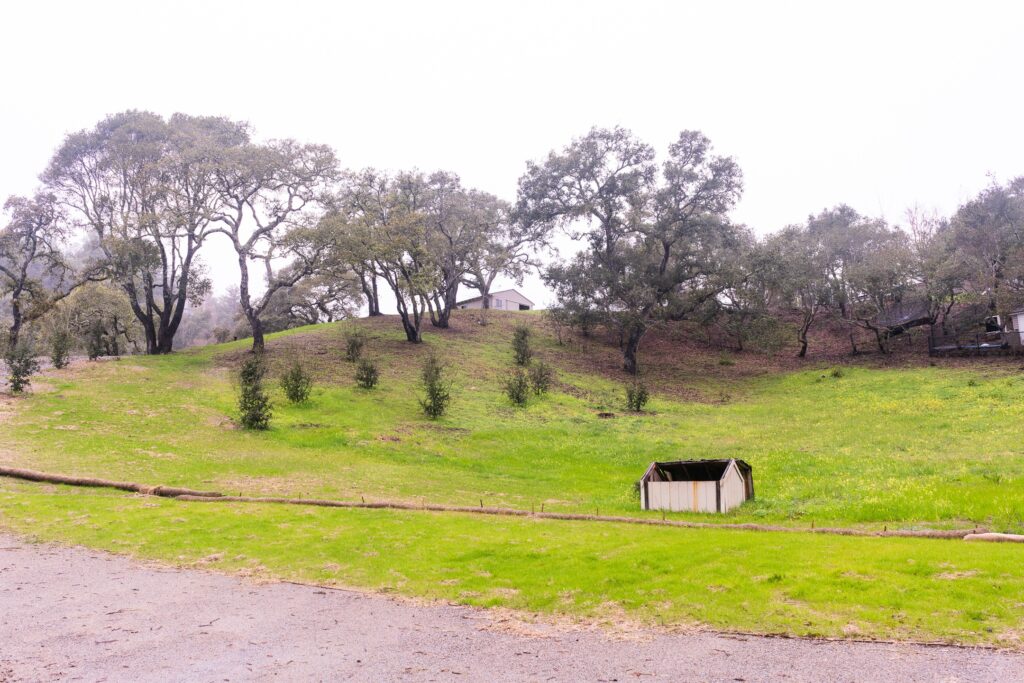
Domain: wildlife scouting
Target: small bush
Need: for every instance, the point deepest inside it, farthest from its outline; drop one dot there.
(972, 382)
(436, 387)
(637, 397)
(769, 335)
(367, 374)
(354, 343)
(297, 383)
(725, 360)
(517, 387)
(542, 376)
(95, 344)
(21, 365)
(253, 403)
(521, 350)
(837, 373)
(60, 349)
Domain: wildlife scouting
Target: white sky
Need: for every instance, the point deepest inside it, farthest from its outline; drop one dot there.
(881, 105)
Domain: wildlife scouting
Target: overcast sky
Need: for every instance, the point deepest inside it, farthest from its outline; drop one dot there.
(878, 105)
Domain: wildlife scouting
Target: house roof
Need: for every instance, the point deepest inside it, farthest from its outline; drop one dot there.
(494, 294)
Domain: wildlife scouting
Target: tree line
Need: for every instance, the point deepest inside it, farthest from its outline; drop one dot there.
(112, 245)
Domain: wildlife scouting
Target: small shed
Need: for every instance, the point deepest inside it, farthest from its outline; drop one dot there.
(696, 485)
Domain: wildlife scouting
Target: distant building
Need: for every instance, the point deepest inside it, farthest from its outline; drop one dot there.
(995, 335)
(505, 300)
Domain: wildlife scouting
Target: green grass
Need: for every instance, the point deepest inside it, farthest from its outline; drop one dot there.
(906, 447)
(759, 582)
(912, 447)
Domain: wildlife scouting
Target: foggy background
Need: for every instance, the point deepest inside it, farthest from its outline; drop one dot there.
(879, 105)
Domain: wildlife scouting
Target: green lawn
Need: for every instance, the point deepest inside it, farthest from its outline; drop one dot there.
(619, 574)
(905, 447)
(927, 446)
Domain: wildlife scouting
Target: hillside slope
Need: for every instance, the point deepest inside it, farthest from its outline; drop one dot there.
(906, 446)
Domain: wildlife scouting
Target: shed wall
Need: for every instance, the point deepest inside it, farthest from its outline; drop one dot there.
(682, 496)
(733, 488)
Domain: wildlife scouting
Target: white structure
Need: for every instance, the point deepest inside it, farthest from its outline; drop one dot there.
(696, 485)
(1014, 331)
(505, 300)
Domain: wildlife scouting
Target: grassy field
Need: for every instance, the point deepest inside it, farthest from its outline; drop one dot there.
(613, 574)
(910, 446)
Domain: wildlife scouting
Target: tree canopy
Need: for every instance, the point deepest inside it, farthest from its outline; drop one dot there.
(127, 208)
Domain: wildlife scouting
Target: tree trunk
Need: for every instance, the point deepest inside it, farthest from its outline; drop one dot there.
(440, 309)
(411, 333)
(882, 340)
(374, 297)
(630, 348)
(801, 335)
(145, 318)
(410, 322)
(165, 344)
(16, 319)
(245, 301)
(164, 335)
(151, 346)
(258, 343)
(368, 283)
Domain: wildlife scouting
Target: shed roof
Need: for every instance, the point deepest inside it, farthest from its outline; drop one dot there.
(694, 470)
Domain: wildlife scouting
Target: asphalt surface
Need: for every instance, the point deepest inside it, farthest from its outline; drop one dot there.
(76, 614)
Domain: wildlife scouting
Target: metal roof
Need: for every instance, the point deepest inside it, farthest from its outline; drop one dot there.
(492, 295)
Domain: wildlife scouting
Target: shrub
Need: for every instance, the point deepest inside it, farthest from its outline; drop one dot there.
(60, 349)
(769, 335)
(95, 344)
(837, 373)
(517, 387)
(21, 365)
(637, 397)
(253, 402)
(521, 350)
(354, 343)
(436, 387)
(367, 374)
(297, 383)
(725, 360)
(541, 377)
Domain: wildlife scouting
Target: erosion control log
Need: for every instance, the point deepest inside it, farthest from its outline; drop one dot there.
(165, 491)
(211, 496)
(995, 538)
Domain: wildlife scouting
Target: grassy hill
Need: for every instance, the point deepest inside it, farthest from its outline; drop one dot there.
(886, 442)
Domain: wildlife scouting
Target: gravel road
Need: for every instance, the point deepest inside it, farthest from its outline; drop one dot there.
(75, 614)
